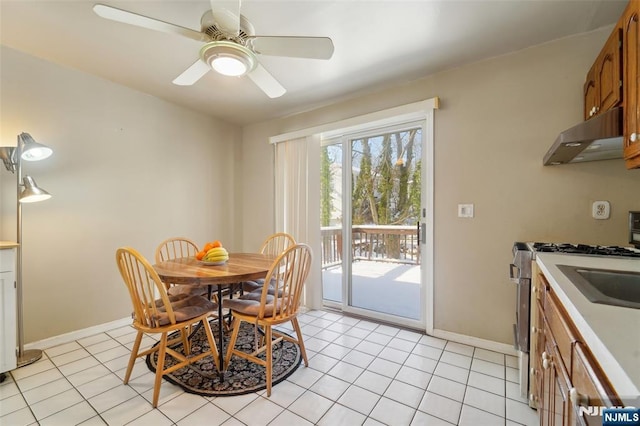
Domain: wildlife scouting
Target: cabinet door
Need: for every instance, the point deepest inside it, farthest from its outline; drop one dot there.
(545, 408)
(557, 384)
(7, 321)
(630, 40)
(608, 73)
(535, 355)
(562, 411)
(590, 94)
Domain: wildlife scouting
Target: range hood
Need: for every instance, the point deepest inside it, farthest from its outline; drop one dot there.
(599, 138)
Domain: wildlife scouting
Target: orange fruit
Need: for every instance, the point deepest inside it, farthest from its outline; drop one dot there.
(200, 254)
(207, 247)
(216, 243)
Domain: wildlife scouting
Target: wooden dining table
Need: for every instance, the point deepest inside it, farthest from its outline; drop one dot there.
(190, 271)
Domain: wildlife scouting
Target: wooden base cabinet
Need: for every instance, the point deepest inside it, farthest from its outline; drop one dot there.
(568, 380)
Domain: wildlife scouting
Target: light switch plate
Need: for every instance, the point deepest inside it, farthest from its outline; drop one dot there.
(601, 210)
(465, 210)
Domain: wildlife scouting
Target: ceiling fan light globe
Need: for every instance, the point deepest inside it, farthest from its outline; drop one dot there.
(228, 65)
(228, 58)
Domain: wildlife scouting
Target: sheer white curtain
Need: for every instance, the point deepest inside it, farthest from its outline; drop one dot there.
(297, 204)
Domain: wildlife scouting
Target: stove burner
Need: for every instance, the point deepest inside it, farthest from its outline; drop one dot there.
(585, 249)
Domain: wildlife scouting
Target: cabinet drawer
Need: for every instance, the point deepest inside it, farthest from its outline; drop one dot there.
(540, 288)
(540, 326)
(562, 332)
(590, 387)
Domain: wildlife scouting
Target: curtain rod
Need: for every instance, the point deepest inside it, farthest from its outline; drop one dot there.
(414, 110)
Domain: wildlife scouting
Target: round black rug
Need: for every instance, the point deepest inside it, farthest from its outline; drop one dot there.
(241, 377)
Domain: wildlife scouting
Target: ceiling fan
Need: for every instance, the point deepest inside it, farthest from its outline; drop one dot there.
(230, 44)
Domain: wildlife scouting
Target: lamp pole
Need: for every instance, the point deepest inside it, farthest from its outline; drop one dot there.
(12, 159)
(32, 355)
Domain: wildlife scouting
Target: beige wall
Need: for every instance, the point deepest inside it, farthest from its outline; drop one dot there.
(130, 169)
(127, 169)
(497, 119)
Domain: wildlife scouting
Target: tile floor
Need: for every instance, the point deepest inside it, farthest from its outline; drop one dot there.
(360, 373)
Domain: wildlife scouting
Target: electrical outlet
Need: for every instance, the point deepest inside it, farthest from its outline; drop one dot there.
(465, 210)
(600, 210)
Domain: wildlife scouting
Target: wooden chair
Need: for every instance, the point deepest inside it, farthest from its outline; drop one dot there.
(173, 248)
(274, 245)
(288, 273)
(162, 315)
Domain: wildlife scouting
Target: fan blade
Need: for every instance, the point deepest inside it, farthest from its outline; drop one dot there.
(192, 74)
(295, 47)
(227, 15)
(131, 18)
(265, 81)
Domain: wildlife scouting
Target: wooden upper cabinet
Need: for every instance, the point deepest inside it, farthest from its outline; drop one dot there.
(603, 88)
(630, 40)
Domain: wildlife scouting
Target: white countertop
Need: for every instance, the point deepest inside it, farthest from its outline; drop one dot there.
(611, 332)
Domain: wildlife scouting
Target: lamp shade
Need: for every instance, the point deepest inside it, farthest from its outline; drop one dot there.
(31, 192)
(32, 150)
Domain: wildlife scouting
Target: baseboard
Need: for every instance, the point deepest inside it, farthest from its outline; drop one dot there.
(90, 331)
(475, 341)
(78, 334)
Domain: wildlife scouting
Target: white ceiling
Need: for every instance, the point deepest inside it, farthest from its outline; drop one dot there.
(377, 44)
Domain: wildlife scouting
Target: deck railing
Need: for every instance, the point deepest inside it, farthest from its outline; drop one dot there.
(385, 243)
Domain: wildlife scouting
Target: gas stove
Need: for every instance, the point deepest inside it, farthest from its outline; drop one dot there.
(584, 249)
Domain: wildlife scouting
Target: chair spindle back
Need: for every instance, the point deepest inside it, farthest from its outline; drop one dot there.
(145, 287)
(174, 248)
(277, 243)
(287, 275)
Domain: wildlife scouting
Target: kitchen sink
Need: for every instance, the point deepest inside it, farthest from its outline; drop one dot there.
(618, 288)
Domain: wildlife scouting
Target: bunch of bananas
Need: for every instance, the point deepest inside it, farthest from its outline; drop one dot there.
(216, 254)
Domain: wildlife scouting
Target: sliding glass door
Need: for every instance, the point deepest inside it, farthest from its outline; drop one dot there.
(371, 259)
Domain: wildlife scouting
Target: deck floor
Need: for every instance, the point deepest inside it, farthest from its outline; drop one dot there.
(390, 288)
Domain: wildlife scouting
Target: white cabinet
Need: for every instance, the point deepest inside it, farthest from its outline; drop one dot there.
(7, 308)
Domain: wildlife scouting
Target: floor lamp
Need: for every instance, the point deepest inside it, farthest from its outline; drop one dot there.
(27, 192)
